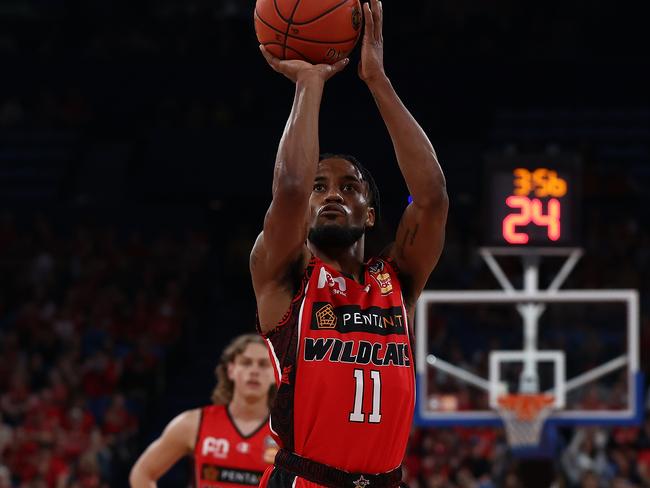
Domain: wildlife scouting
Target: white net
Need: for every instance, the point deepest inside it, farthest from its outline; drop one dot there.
(524, 417)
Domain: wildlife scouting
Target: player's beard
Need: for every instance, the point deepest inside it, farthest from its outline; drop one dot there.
(334, 236)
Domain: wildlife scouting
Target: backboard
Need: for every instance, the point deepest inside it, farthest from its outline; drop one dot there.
(580, 346)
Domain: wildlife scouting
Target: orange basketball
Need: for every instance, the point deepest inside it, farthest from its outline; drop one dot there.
(318, 31)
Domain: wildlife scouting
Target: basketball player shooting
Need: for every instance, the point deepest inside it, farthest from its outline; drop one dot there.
(338, 324)
(229, 441)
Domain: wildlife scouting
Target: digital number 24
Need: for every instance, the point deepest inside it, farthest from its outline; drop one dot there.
(531, 211)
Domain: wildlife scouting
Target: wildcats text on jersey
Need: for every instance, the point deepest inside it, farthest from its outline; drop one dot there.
(352, 318)
(337, 351)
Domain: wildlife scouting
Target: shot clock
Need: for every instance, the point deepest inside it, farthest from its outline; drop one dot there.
(532, 200)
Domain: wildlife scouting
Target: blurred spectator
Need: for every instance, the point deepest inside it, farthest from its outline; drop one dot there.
(585, 458)
(77, 358)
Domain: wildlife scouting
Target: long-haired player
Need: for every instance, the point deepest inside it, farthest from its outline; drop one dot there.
(230, 440)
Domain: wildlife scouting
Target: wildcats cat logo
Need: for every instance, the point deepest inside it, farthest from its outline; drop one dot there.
(270, 449)
(385, 284)
(382, 279)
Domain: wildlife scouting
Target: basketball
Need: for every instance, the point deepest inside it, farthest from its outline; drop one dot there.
(317, 31)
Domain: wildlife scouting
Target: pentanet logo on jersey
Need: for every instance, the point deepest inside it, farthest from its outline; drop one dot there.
(213, 473)
(325, 317)
(209, 472)
(352, 318)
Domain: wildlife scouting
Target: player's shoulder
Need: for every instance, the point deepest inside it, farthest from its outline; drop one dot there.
(187, 419)
(212, 411)
(267, 270)
(183, 428)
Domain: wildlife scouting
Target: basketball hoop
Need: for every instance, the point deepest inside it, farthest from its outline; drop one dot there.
(524, 416)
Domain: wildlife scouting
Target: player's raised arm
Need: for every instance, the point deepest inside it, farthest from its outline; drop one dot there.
(176, 441)
(282, 242)
(420, 235)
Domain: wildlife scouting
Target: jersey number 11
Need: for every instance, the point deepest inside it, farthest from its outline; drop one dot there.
(357, 414)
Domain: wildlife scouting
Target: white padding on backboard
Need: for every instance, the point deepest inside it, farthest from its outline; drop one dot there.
(499, 357)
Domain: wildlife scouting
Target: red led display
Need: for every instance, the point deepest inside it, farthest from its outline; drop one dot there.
(532, 202)
(531, 211)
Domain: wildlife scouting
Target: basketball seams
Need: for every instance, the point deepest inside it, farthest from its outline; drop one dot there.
(322, 42)
(277, 9)
(290, 49)
(273, 32)
(301, 54)
(291, 36)
(289, 22)
(323, 14)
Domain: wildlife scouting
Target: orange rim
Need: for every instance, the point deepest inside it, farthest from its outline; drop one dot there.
(526, 406)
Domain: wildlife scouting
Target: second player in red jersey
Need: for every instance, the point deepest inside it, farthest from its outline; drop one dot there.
(338, 324)
(230, 441)
(226, 457)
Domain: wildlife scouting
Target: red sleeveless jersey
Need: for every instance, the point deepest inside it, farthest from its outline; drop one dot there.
(345, 370)
(225, 458)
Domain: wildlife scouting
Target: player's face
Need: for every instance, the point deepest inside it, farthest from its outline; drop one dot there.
(251, 372)
(340, 197)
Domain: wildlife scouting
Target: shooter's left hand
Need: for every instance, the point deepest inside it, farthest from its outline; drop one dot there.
(371, 66)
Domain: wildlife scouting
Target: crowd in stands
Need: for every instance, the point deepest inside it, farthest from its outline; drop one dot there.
(589, 457)
(87, 322)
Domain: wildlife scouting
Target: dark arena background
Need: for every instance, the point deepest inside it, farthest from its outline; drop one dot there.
(137, 142)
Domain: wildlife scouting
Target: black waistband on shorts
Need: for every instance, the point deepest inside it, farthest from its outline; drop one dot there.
(335, 478)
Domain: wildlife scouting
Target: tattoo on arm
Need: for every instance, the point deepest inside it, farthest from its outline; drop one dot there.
(409, 238)
(415, 231)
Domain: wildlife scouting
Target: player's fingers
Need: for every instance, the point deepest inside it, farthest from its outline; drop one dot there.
(381, 21)
(340, 65)
(267, 55)
(376, 19)
(272, 60)
(369, 29)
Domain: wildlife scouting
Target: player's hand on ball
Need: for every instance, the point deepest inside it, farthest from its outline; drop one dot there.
(295, 69)
(371, 66)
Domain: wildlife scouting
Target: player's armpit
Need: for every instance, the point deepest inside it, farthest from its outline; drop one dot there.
(282, 241)
(275, 283)
(419, 242)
